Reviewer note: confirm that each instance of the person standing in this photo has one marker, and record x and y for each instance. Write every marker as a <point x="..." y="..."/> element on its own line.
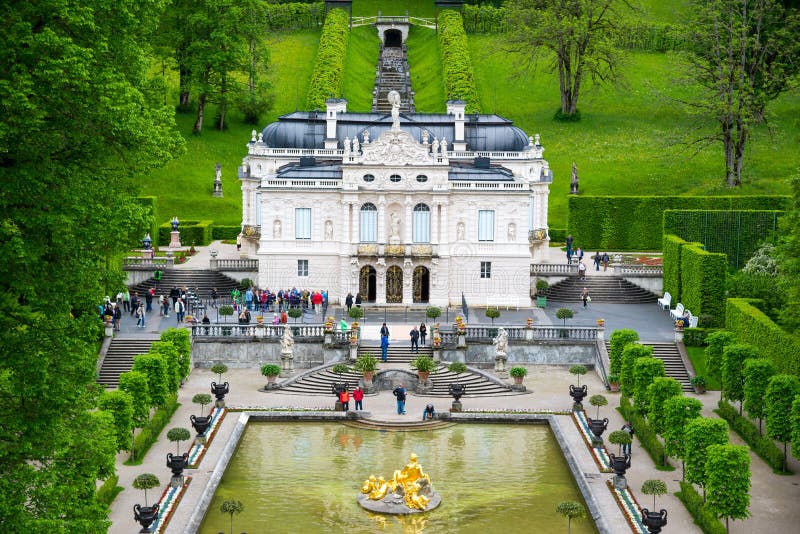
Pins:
<point x="582" y="270"/>
<point x="585" y="297"/>
<point x="134" y="303"/>
<point x="148" y="298"/>
<point x="569" y="249"/>
<point x="348" y="301"/>
<point x="180" y="310"/>
<point x="423" y="331"/>
<point x="117" y="317"/>
<point x="344" y="398"/>
<point x="384" y="347"/>
<point x="358" y="396"/>
<point x="358" y="300"/>
<point x="126" y="300"/>
<point x="239" y="243"/>
<point x="597" y="260"/>
<point x="400" y="394"/>
<point x="140" y="315"/>
<point x="414" y="339"/>
<point x="605" y="260"/>
<point x="628" y="429"/>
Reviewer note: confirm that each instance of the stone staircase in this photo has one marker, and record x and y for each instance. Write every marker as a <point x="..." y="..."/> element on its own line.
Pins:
<point x="392" y="75"/>
<point x="200" y="282"/>
<point x="119" y="358"/>
<point x="612" y="289"/>
<point x="673" y="363"/>
<point x="319" y="382"/>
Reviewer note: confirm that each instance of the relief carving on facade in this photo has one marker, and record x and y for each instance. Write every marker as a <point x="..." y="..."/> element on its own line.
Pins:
<point x="395" y="147"/>
<point x="395" y="250"/>
<point x="368" y="250"/>
<point x="421" y="250"/>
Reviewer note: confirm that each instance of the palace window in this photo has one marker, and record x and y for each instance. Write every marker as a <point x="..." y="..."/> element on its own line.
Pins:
<point x="486" y="225"/>
<point x="369" y="178"/>
<point x="302" y="267"/>
<point x="421" y="178"/>
<point x="486" y="269"/>
<point x="395" y="178"/>
<point x="422" y="224"/>
<point x="368" y="229"/>
<point x="302" y="223"/>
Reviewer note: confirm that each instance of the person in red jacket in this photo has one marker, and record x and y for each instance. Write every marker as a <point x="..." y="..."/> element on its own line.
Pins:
<point x="344" y="398"/>
<point x="358" y="396"/>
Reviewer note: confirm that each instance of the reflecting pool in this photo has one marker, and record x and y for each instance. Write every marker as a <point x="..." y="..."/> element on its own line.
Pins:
<point x="304" y="477"/>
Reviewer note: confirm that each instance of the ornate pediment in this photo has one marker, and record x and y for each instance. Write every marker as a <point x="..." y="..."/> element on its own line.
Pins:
<point x="395" y="147"/>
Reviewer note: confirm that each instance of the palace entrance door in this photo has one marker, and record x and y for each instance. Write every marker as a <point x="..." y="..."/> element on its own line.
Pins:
<point x="421" y="284"/>
<point x="367" y="283"/>
<point x="394" y="284"/>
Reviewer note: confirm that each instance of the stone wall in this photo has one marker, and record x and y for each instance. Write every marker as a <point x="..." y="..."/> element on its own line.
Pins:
<point x="242" y="353"/>
<point x="480" y="355"/>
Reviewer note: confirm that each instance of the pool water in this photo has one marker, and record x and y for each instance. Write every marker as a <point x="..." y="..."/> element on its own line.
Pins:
<point x="305" y="477"/>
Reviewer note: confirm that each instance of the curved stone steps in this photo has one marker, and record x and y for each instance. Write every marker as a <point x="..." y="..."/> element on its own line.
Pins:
<point x="397" y="426"/>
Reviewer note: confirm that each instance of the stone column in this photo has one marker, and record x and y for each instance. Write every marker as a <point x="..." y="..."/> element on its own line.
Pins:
<point x="408" y="223"/>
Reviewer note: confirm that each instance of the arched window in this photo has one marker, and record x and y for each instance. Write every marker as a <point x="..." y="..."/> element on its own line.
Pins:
<point x="422" y="224"/>
<point x="368" y="229"/>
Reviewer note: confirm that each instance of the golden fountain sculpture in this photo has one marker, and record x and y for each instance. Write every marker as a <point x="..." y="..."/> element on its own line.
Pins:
<point x="410" y="483"/>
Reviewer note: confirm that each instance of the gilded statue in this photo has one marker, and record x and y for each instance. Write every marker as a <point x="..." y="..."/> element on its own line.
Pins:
<point x="410" y="473"/>
<point x="411" y="482"/>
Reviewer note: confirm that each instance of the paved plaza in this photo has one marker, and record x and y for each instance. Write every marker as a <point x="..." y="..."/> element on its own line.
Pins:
<point x="773" y="497"/>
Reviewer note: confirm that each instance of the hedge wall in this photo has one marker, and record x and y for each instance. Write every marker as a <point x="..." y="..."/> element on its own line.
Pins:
<point x="703" y="282"/>
<point x="293" y="15"/>
<point x="192" y="233"/>
<point x="671" y="264"/>
<point x="459" y="82"/>
<point x="225" y="232"/>
<point x="635" y="223"/>
<point x="737" y="233"/>
<point x="326" y="80"/>
<point x="752" y="326"/>
<point x="557" y="235"/>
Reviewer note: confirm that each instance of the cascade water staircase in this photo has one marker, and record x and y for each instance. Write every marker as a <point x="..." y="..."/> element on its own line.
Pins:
<point x="319" y="381"/>
<point x="392" y="75"/>
<point x="119" y="358"/>
<point x="612" y="289"/>
<point x="673" y="363"/>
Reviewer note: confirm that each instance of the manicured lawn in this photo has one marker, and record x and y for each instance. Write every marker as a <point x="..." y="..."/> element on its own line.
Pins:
<point x="359" y="68"/>
<point x="415" y="8"/>
<point x="630" y="140"/>
<point x="184" y="185"/>
<point x="425" y="65"/>
<point x="698" y="359"/>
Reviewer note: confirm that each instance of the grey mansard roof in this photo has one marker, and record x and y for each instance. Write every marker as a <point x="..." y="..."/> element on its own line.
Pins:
<point x="306" y="129"/>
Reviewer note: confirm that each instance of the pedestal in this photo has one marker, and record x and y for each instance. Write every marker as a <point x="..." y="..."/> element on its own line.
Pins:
<point x="679" y="335"/>
<point x="217" y="188"/>
<point x="500" y="365"/>
<point x="425" y="386"/>
<point x="109" y="330"/>
<point x="175" y="239"/>
<point x="529" y="334"/>
<point x="457" y="406"/>
<point x="437" y="354"/>
<point x="148" y="253"/>
<point x="177" y="482"/>
<point x="287" y="364"/>
<point x="620" y="483"/>
<point x="462" y="341"/>
<point x="353" y="353"/>
<point x="601" y="333"/>
<point x="220" y="404"/>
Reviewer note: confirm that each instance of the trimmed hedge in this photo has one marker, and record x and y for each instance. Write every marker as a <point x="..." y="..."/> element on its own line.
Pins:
<point x="326" y="80"/>
<point x="703" y="282"/>
<point x="559" y="235"/>
<point x="108" y="491"/>
<point x="737" y="233"/>
<point x="485" y="18"/>
<point x="195" y="233"/>
<point x="696" y="337"/>
<point x="761" y="445"/>
<point x="636" y="222"/>
<point x="225" y="232"/>
<point x="647" y="437"/>
<point x="752" y="326"/>
<point x="149" y="434"/>
<point x="293" y="15"/>
<point x="459" y="81"/>
<point x="703" y="518"/>
<point x="671" y="259"/>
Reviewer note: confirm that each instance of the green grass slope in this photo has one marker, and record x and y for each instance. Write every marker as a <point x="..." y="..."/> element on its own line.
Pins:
<point x="415" y="8"/>
<point x="359" y="68"/>
<point x="630" y="140"/>
<point x="425" y="66"/>
<point x="184" y="185"/>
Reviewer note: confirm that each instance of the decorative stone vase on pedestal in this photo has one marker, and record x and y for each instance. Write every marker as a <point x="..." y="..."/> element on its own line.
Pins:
<point x="219" y="391"/>
<point x="177" y="464"/>
<point x="654" y="521"/>
<point x="620" y="464"/>
<point x="456" y="391"/>
<point x="174" y="235"/>
<point x="200" y="425"/>
<point x="598" y="426"/>
<point x="145" y="515"/>
<point x="577" y="394"/>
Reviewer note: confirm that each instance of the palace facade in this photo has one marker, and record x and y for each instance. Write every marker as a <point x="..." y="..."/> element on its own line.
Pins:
<point x="401" y="208"/>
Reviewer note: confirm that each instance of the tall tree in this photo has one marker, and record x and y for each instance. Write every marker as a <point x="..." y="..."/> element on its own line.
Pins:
<point x="700" y="434"/>
<point x="728" y="482"/>
<point x="576" y="38"/>
<point x="662" y="389"/>
<point x="788" y="259"/>
<point x="75" y="128"/>
<point x="744" y="55"/>
<point x="733" y="361"/>
<point x="781" y="391"/>
<point x="678" y="411"/>
<point x="757" y="372"/>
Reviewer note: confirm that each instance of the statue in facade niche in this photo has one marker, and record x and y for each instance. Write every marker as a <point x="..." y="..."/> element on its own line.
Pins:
<point x="328" y="230"/>
<point x="276" y="229"/>
<point x="394" y="99"/>
<point x="460" y="232"/>
<point x="512" y="232"/>
<point x="394" y="227"/>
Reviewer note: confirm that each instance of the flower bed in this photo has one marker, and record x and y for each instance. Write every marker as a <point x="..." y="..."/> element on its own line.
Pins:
<point x="600" y="454"/>
<point x="199" y="450"/>
<point x="630" y="508"/>
<point x="166" y="505"/>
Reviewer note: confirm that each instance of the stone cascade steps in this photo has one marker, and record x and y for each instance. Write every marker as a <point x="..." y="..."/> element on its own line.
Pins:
<point x="119" y="359"/>
<point x="399" y="351"/>
<point x="611" y="289"/>
<point x="200" y="281"/>
<point x="392" y="75"/>
<point x="673" y="363"/>
<point x="410" y="425"/>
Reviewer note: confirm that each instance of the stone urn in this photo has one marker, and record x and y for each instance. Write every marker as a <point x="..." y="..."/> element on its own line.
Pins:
<point x="177" y="464"/>
<point x="219" y="391"/>
<point x="200" y="425"/>
<point x="620" y="464"/>
<point x="598" y="426"/>
<point x="578" y="394"/>
<point x="145" y="515"/>
<point x="456" y="391"/>
<point x="336" y="389"/>
<point x="654" y="521"/>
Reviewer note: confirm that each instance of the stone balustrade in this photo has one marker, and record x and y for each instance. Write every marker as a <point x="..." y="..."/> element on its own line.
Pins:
<point x="133" y="263"/>
<point x="302" y="333"/>
<point x="554" y="268"/>
<point x="218" y="264"/>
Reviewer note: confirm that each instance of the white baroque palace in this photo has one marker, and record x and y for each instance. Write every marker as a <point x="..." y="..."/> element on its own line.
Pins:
<point x="401" y="208"/>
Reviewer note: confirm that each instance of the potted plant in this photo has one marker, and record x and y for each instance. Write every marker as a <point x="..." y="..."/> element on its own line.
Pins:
<point x="340" y="369"/>
<point x="620" y="437"/>
<point x="202" y="399"/>
<point x="433" y="312"/>
<point x="271" y="371"/>
<point x="518" y="373"/>
<point x="457" y="367"/>
<point x="424" y="365"/>
<point x="492" y="313"/>
<point x="529" y="322"/>
<point x="601" y="323"/>
<point x="578" y="393"/>
<point x="699" y="383"/>
<point x="613" y="383"/>
<point x="461" y="326"/>
<point x="578" y="370"/>
<point x="225" y="311"/>
<point x="654" y="487"/>
<point x="231" y="507"/>
<point x="295" y="313"/>
<point x="366" y="364"/>
<point x="219" y="369"/>
<point x="598" y="400"/>
<point x="564" y="314"/>
<point x="144" y="482"/>
<point x="177" y="435"/>
<point x="541" y="293"/>
<point x="679" y="324"/>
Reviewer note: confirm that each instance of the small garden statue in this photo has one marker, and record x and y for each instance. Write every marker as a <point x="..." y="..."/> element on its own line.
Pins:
<point x="573" y="184"/>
